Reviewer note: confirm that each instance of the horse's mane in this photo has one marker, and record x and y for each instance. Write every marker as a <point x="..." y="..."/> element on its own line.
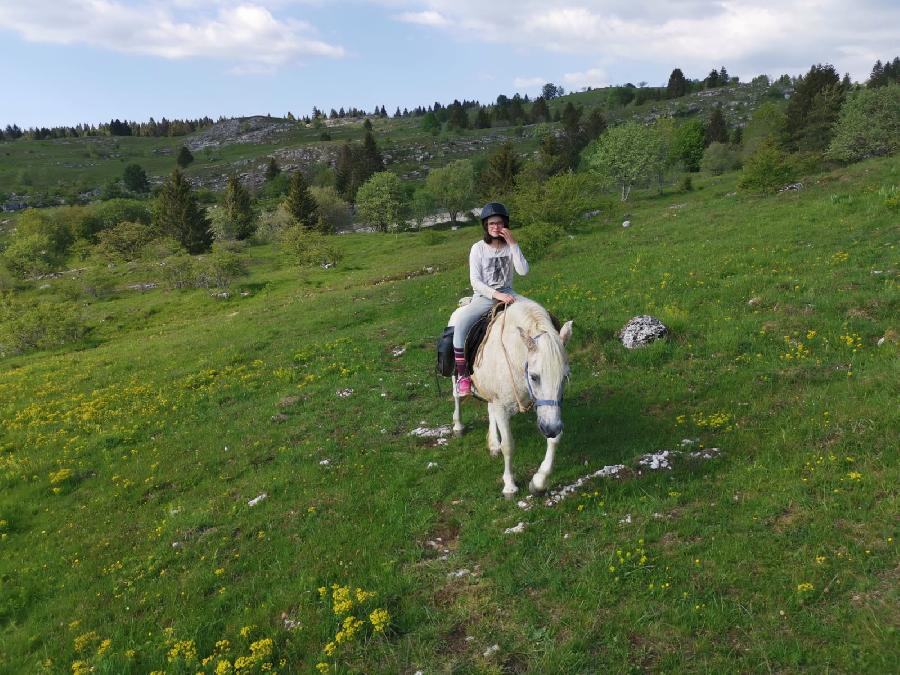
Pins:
<point x="534" y="319"/>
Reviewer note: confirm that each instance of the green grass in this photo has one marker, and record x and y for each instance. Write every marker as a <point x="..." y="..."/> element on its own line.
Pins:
<point x="128" y="461"/>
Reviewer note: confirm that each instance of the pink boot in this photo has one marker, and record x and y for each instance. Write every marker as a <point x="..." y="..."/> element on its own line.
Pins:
<point x="464" y="386"/>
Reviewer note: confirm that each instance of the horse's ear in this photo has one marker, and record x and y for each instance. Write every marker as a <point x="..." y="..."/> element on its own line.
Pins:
<point x="527" y="339"/>
<point x="565" y="332"/>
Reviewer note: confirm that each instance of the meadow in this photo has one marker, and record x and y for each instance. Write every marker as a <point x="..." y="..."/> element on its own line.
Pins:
<point x="231" y="486"/>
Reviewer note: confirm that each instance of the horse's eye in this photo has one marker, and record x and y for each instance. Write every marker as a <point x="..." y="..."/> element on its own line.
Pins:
<point x="535" y="378"/>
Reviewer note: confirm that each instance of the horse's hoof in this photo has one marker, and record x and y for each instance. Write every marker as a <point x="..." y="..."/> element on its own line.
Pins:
<point x="494" y="451"/>
<point x="458" y="432"/>
<point x="510" y="494"/>
<point x="537" y="492"/>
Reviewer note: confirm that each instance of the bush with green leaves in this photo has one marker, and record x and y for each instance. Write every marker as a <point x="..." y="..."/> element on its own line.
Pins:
<point x="453" y="187"/>
<point x="767" y="170"/>
<point x="381" y="202"/>
<point x="562" y="200"/>
<point x="868" y="126"/>
<point x="26" y="326"/>
<point x="309" y="248"/>
<point x="538" y="237"/>
<point x="30" y="255"/>
<point x="719" y="158"/>
<point x="219" y="269"/>
<point x="627" y="154"/>
<point x="52" y="224"/>
<point x="333" y="211"/>
<point x="125" y="241"/>
<point x="179" y="271"/>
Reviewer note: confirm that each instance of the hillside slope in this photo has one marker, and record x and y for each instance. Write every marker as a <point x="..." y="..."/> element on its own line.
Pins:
<point x="185" y="488"/>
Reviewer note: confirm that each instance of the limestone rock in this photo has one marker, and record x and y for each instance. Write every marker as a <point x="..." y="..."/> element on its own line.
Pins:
<point x="642" y="330"/>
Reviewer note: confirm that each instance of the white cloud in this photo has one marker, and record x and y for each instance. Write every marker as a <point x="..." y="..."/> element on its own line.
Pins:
<point x="595" y="77"/>
<point x="748" y="36"/>
<point x="423" y="18"/>
<point x="245" y="34"/>
<point x="529" y="82"/>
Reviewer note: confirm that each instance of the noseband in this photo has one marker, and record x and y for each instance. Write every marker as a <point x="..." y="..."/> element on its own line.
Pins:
<point x="539" y="401"/>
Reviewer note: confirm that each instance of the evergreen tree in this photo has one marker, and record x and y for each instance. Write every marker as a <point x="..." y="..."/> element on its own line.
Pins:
<point x="723" y="77"/>
<point x="498" y="178"/>
<point x="431" y="124"/>
<point x="184" y="157"/>
<point x="135" y="179"/>
<point x="716" y="127"/>
<point x="540" y="112"/>
<point x="367" y="125"/>
<point x="677" y="85"/>
<point x="712" y="80"/>
<point x="272" y="169"/>
<point x="800" y="129"/>
<point x="178" y="215"/>
<point x="300" y="203"/>
<point x="343" y="172"/>
<point x="458" y="118"/>
<point x="238" y="209"/>
<point x="370" y="161"/>
<point x="482" y="119"/>
<point x="594" y="125"/>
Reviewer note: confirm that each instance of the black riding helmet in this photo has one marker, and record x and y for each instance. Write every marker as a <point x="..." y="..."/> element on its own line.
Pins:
<point x="494" y="209"/>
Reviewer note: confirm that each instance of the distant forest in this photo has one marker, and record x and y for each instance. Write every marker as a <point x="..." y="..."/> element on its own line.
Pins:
<point x="455" y="114"/>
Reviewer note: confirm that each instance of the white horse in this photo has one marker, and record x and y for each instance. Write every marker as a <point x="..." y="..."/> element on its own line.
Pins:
<point x="522" y="363"/>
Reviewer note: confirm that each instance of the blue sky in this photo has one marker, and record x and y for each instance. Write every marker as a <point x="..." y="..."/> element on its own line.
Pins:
<point x="92" y="60"/>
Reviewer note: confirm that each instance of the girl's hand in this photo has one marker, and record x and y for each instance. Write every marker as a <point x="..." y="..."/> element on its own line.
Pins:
<point x="505" y="298"/>
<point x="507" y="235"/>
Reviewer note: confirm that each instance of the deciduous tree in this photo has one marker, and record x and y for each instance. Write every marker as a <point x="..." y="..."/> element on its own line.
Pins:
<point x="627" y="154"/>
<point x="453" y="187"/>
<point x="381" y="202"/>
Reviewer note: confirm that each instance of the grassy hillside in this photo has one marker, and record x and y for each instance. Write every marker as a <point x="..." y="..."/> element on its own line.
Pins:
<point x="136" y="537"/>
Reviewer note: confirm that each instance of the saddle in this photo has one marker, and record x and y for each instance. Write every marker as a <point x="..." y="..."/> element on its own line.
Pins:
<point x="446" y="366"/>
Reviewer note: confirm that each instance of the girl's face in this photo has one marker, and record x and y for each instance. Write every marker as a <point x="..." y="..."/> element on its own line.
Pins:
<point x="494" y="225"/>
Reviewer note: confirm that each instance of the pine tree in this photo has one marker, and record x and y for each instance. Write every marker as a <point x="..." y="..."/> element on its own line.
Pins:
<point x="677" y="85"/>
<point x="712" y="80"/>
<point x="594" y="125"/>
<point x="797" y="115"/>
<point x="369" y="161"/>
<point x="482" y="119"/>
<point x="343" y="172"/>
<point x="178" y="215"/>
<point x="540" y="112"/>
<point x="184" y="157"/>
<point x="272" y="169"/>
<point x="723" y="77"/>
<point x="716" y="127"/>
<point x="498" y="178"/>
<point x="300" y="203"/>
<point x="238" y="209"/>
<point x="367" y="125"/>
<point x="135" y="179"/>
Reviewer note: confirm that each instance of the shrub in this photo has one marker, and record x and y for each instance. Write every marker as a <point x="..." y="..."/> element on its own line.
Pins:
<point x="537" y="237"/>
<point x="179" y="271"/>
<point x="51" y="224"/>
<point x="125" y="241"/>
<point x="272" y="224"/>
<point x="310" y="248"/>
<point x="29" y="255"/>
<point x="561" y="200"/>
<point x="219" y="269"/>
<point x="26" y="327"/>
<point x="767" y="169"/>
<point x="719" y="158"/>
<point x="334" y="212"/>
<point x="869" y="125"/>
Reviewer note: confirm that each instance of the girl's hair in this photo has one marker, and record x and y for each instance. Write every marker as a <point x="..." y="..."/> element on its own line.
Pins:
<point x="488" y="238"/>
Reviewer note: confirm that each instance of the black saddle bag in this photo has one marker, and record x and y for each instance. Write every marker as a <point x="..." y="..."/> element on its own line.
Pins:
<point x="446" y="365"/>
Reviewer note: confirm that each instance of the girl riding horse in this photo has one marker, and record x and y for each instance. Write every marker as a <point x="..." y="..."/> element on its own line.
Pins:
<point x="491" y="264"/>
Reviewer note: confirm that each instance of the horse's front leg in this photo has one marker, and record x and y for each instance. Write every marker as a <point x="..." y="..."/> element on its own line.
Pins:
<point x="493" y="435"/>
<point x="506" y="445"/>
<point x="458" y="427"/>
<point x="539" y="481"/>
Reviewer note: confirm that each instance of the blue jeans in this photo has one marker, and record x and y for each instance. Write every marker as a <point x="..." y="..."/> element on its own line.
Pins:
<point x="470" y="314"/>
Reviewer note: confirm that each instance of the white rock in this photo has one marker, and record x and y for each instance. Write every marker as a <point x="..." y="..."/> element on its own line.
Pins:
<point x="490" y="651"/>
<point x="642" y="330"/>
<point x="256" y="500"/>
<point x="518" y="529"/>
<point x="627" y="223"/>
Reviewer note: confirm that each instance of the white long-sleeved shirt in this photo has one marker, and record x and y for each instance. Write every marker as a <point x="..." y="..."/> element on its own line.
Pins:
<point x="491" y="269"/>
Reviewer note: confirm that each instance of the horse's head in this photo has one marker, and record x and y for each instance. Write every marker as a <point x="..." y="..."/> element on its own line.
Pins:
<point x="546" y="371"/>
